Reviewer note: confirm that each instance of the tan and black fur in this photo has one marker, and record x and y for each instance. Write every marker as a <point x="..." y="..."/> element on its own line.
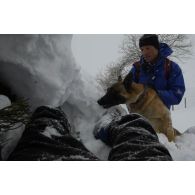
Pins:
<point x="142" y="100"/>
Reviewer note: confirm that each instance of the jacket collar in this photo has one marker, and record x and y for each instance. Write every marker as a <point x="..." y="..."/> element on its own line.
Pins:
<point x="165" y="50"/>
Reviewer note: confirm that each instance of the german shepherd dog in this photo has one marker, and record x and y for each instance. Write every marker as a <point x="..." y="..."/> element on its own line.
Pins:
<point x="142" y="100"/>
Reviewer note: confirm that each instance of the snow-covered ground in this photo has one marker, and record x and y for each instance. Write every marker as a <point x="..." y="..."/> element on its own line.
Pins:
<point x="42" y="68"/>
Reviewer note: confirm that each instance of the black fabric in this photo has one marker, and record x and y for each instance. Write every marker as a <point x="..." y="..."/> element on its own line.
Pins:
<point x="149" y="39"/>
<point x="148" y="68"/>
<point x="131" y="138"/>
<point x="35" y="145"/>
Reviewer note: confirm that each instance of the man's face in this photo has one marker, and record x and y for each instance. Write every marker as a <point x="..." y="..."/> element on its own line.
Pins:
<point x="149" y="53"/>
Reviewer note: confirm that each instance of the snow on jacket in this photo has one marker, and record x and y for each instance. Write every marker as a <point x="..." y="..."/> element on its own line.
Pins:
<point x="171" y="89"/>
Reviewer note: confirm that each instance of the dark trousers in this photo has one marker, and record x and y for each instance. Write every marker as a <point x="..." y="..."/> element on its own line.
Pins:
<point x="47" y="137"/>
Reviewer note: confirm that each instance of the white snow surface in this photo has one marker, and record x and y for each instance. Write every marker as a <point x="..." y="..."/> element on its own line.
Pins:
<point x="42" y="68"/>
<point x="39" y="67"/>
<point x="50" y="131"/>
<point x="4" y="101"/>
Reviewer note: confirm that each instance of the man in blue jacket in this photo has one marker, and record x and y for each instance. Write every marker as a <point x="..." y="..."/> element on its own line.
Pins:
<point x="158" y="72"/>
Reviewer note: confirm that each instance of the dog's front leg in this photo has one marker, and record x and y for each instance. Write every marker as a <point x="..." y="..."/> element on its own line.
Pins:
<point x="168" y="128"/>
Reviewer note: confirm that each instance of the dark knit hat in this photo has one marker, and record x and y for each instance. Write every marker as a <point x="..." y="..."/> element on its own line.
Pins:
<point x="149" y="39"/>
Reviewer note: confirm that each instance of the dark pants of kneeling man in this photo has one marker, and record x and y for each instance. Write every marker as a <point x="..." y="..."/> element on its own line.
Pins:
<point x="131" y="138"/>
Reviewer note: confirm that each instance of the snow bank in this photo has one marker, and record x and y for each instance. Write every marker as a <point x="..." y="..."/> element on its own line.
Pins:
<point x="4" y="101"/>
<point x="183" y="118"/>
<point x="42" y="68"/>
<point x="184" y="146"/>
<point x="38" y="67"/>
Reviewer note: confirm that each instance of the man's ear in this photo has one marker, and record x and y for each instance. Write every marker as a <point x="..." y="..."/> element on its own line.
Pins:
<point x="128" y="81"/>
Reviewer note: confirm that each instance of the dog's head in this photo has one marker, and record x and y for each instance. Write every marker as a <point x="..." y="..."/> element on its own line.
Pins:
<point x="120" y="93"/>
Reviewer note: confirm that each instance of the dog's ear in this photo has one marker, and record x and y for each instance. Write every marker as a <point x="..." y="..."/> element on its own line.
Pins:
<point x="128" y="81"/>
<point x="120" y="78"/>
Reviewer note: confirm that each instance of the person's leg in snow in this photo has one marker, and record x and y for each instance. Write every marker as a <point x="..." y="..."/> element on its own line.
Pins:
<point x="47" y="137"/>
<point x="132" y="138"/>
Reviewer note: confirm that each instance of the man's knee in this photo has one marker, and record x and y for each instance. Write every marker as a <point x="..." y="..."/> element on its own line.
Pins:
<point x="49" y="116"/>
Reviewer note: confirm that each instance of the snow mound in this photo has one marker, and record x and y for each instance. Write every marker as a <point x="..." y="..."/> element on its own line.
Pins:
<point x="4" y="101"/>
<point x="38" y="67"/>
<point x="183" y="148"/>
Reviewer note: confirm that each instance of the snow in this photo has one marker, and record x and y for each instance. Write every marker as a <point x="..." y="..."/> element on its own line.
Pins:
<point x="43" y="69"/>
<point x="182" y="118"/>
<point x="49" y="132"/>
<point x="9" y="139"/>
<point x="4" y="101"/>
<point x="38" y="67"/>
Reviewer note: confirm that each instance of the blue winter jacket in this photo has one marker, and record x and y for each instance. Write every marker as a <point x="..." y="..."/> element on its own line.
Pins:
<point x="171" y="89"/>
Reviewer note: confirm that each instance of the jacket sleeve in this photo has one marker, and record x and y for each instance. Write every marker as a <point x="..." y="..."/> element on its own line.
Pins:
<point x="176" y="87"/>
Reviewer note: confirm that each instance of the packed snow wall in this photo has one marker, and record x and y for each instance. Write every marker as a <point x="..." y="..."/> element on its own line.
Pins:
<point x="42" y="69"/>
<point x="38" y="67"/>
